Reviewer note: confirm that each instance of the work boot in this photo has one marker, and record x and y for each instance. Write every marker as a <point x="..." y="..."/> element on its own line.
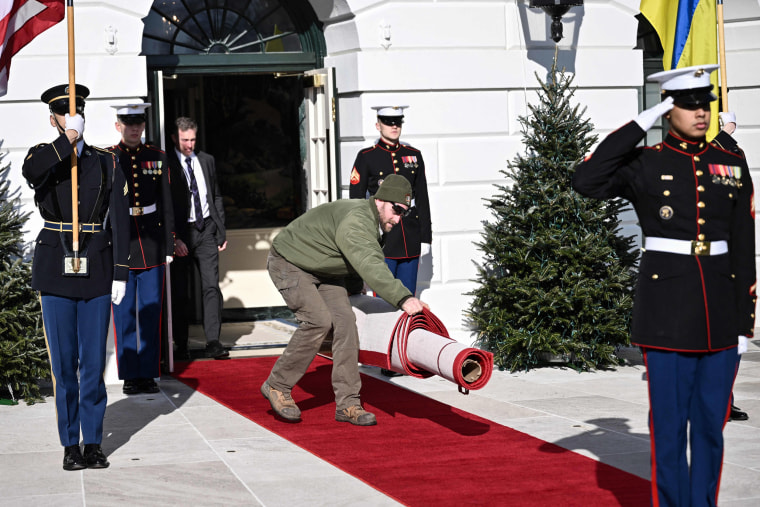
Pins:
<point x="355" y="414"/>
<point x="282" y="403"/>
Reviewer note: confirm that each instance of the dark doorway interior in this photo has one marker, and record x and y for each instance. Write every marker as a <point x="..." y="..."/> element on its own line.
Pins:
<point x="251" y="124"/>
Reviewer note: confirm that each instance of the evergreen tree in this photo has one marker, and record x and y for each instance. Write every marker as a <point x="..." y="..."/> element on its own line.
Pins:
<point x="557" y="278"/>
<point x="23" y="356"/>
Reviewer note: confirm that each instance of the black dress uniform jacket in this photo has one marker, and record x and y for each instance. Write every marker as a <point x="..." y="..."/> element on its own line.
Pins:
<point x="47" y="168"/>
<point x="372" y="165"/>
<point x="181" y="197"/>
<point x="146" y="170"/>
<point x="692" y="191"/>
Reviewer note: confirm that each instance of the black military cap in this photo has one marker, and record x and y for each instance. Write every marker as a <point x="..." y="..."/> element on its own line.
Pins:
<point x="57" y="98"/>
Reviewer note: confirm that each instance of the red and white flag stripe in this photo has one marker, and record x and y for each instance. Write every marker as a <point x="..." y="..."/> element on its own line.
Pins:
<point x="20" y="22"/>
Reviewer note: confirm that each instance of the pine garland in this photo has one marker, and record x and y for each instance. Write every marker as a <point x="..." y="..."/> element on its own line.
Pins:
<point x="557" y="278"/>
<point x="23" y="356"/>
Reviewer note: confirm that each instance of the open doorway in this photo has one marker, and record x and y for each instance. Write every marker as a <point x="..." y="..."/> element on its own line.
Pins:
<point x="253" y="126"/>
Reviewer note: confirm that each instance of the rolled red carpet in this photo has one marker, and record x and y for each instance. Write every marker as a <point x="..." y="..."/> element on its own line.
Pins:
<point x="417" y="345"/>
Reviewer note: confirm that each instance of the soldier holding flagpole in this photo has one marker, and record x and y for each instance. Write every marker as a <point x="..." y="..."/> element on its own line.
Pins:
<point x="81" y="196"/>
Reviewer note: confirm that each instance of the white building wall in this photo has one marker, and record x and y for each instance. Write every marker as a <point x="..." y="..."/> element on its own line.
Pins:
<point x="113" y="73"/>
<point x="465" y="67"/>
<point x="467" y="70"/>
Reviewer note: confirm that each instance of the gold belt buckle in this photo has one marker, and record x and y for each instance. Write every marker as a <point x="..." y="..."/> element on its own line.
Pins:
<point x="700" y="248"/>
<point x="137" y="211"/>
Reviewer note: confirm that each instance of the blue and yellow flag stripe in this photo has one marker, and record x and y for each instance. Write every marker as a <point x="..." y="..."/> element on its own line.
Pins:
<point x="688" y="31"/>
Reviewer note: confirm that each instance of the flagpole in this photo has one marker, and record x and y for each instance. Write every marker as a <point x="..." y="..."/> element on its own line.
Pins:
<point x="72" y="112"/>
<point x="722" y="57"/>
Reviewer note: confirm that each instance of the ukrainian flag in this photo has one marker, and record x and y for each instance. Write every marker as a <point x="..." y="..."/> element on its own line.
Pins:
<point x="688" y="31"/>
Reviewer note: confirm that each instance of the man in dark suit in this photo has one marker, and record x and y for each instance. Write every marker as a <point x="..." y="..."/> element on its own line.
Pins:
<point x="200" y="236"/>
<point x="76" y="296"/>
<point x="138" y="340"/>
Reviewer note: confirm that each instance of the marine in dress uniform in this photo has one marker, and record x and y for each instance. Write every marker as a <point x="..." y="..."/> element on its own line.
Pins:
<point x="146" y="170"/>
<point x="404" y="244"/>
<point x="76" y="304"/>
<point x="696" y="289"/>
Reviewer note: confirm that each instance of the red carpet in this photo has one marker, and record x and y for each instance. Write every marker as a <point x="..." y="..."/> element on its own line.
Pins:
<point x="421" y="452"/>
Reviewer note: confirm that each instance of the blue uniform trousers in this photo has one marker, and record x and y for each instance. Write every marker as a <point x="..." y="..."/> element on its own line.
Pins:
<point x="691" y="388"/>
<point x="76" y="331"/>
<point x="406" y="271"/>
<point x="142" y="304"/>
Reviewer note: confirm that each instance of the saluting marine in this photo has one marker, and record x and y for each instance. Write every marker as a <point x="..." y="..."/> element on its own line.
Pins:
<point x="404" y="244"/>
<point x="76" y="303"/>
<point x="696" y="289"/>
<point x="146" y="170"/>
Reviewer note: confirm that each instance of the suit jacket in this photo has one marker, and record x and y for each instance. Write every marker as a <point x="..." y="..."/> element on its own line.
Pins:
<point x="181" y="196"/>
<point x="685" y="190"/>
<point x="146" y="171"/>
<point x="371" y="167"/>
<point x="47" y="169"/>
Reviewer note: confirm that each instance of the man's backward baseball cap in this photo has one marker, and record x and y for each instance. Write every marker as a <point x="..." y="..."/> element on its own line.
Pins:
<point x="395" y="188"/>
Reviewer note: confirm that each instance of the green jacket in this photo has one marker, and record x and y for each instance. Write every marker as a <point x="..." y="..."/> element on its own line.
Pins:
<point x="341" y="239"/>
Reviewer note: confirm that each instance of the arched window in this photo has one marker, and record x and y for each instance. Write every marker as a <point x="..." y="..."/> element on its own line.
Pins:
<point x="193" y="27"/>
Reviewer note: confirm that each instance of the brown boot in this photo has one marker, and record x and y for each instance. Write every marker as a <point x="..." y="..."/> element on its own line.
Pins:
<point x="282" y="403"/>
<point x="355" y="414"/>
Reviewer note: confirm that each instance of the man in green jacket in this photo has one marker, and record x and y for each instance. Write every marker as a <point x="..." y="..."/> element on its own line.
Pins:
<point x="309" y="263"/>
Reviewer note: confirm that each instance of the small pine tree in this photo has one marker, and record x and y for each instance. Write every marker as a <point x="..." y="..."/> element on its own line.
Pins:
<point x="23" y="356"/>
<point x="557" y="278"/>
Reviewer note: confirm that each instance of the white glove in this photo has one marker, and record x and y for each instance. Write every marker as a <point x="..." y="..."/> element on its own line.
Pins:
<point x="75" y="122"/>
<point x="742" y="348"/>
<point x="424" y="249"/>
<point x="118" y="290"/>
<point x="169" y="259"/>
<point x="649" y="117"/>
<point x="726" y="119"/>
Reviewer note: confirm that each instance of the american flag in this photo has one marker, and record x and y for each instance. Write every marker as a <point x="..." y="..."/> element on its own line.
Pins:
<point x="20" y="22"/>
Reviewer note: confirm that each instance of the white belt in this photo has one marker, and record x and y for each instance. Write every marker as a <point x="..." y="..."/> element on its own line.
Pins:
<point x="142" y="210"/>
<point x="685" y="247"/>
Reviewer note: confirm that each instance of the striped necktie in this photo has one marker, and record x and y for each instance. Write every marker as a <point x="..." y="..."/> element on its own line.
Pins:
<point x="196" y="195"/>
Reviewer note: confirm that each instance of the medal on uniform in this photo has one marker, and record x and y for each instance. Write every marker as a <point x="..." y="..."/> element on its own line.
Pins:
<point x="666" y="212"/>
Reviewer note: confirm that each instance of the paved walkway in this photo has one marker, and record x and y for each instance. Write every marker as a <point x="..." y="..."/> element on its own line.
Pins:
<point x="179" y="448"/>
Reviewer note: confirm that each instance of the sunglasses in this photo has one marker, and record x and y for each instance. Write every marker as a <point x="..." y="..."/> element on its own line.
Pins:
<point x="398" y="210"/>
<point x="391" y="121"/>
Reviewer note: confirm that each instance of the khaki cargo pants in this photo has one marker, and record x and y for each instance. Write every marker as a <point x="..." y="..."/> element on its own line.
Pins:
<point x="320" y="305"/>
